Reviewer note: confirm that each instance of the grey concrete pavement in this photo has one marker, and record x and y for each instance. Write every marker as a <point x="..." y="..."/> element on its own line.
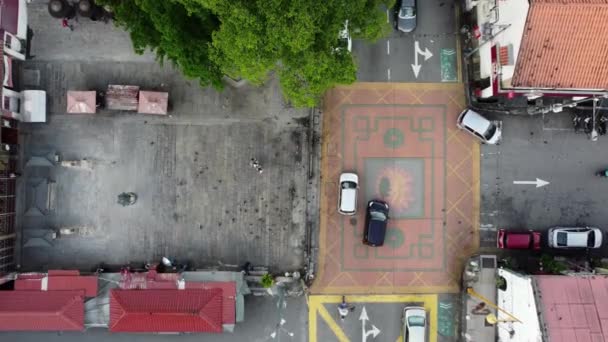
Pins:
<point x="546" y="148"/>
<point x="90" y="41"/>
<point x="391" y="59"/>
<point x="198" y="198"/>
<point x="262" y="321"/>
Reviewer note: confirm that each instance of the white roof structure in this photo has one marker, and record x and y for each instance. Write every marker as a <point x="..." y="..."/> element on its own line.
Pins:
<point x="518" y="300"/>
<point x="504" y="25"/>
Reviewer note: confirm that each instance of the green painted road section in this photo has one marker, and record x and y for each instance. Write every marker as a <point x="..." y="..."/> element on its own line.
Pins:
<point x="448" y="65"/>
<point x="445" y="318"/>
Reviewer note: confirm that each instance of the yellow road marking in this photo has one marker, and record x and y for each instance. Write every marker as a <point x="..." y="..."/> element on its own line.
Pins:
<point x="317" y="307"/>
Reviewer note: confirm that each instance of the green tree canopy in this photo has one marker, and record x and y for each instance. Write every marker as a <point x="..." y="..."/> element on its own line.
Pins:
<point x="297" y="39"/>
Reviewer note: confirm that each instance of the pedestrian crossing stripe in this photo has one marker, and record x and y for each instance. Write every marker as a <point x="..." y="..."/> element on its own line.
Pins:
<point x="317" y="308"/>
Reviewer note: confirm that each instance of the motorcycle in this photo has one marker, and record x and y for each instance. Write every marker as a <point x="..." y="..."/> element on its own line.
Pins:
<point x="602" y="173"/>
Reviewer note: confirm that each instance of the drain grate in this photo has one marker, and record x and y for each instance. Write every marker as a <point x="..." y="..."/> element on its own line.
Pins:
<point x="488" y="262"/>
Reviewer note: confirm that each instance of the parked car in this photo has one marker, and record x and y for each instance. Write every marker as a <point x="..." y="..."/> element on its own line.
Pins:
<point x="575" y="237"/>
<point x="489" y="132"/>
<point x="518" y="239"/>
<point x="347" y="197"/>
<point x="406" y="16"/>
<point x="376" y="220"/>
<point x="414" y="324"/>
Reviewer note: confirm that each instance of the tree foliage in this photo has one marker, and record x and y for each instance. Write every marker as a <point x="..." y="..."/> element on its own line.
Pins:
<point x="167" y="28"/>
<point x="297" y="39"/>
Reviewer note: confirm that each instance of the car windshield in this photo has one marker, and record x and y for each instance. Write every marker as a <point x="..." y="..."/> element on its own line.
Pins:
<point x="490" y="132"/>
<point x="591" y="239"/>
<point x="416" y="321"/>
<point x="562" y="239"/>
<point x="349" y="185"/>
<point x="377" y="215"/>
<point x="407" y="12"/>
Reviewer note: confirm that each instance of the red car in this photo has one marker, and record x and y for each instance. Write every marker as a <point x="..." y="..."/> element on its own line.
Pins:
<point x="527" y="239"/>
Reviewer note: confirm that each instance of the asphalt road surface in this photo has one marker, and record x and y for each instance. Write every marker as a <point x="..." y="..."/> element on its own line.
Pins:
<point x="391" y="59"/>
<point x="546" y="148"/>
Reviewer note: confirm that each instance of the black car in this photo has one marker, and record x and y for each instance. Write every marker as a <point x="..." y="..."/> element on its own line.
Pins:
<point x="376" y="219"/>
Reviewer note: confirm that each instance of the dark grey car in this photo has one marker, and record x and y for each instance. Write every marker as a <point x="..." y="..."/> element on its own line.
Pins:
<point x="406" y="16"/>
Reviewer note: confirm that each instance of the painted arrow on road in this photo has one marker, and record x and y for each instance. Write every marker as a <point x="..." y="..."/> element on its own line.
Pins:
<point x="426" y="53"/>
<point x="374" y="331"/>
<point x="538" y="182"/>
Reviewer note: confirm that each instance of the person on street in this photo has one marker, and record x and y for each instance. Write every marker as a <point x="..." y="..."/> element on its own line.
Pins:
<point x="344" y="308"/>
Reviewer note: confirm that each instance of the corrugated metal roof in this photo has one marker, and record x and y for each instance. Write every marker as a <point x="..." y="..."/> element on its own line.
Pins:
<point x="41" y="311"/>
<point x="574" y="308"/>
<point x="564" y="45"/>
<point x="192" y="310"/>
<point x="228" y="297"/>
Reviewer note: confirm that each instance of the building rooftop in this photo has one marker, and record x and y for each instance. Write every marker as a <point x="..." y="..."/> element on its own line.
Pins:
<point x="563" y="45"/>
<point x="194" y="310"/>
<point x="41" y="310"/>
<point x="574" y="308"/>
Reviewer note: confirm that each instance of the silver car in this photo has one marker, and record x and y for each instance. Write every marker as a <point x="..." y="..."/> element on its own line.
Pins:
<point x="489" y="132"/>
<point x="406" y="16"/>
<point x="414" y="324"/>
<point x="574" y="237"/>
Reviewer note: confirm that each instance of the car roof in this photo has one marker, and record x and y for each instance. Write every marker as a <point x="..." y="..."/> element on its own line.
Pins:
<point x="518" y="240"/>
<point x="475" y="121"/>
<point x="577" y="239"/>
<point x="348" y="200"/>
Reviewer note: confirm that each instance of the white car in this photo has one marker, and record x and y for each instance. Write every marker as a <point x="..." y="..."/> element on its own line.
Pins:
<point x="414" y="324"/>
<point x="575" y="237"/>
<point x="347" y="198"/>
<point x="489" y="132"/>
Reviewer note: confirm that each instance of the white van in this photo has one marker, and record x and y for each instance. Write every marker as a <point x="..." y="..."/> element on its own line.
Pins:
<point x="347" y="197"/>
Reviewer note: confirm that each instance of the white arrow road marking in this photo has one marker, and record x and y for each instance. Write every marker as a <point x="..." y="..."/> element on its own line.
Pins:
<point x="374" y="331"/>
<point x="426" y="53"/>
<point x="388" y="71"/>
<point x="388" y="47"/>
<point x="538" y="182"/>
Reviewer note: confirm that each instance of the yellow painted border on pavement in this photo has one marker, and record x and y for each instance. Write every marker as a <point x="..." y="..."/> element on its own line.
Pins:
<point x="317" y="309"/>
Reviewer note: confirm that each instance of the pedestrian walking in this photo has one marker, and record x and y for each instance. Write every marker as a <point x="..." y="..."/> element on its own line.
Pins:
<point x="260" y="170"/>
<point x="65" y="22"/>
<point x="344" y="308"/>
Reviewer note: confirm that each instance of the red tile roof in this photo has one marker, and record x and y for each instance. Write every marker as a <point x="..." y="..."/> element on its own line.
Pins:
<point x="166" y="310"/>
<point x="564" y="45"/>
<point x="41" y="311"/>
<point x="86" y="283"/>
<point x="58" y="280"/>
<point x="228" y="297"/>
<point x="574" y="309"/>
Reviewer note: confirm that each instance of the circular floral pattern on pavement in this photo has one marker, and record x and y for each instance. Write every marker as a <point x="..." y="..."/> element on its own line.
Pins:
<point x="394" y="185"/>
<point x="394" y="238"/>
<point x="393" y="138"/>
